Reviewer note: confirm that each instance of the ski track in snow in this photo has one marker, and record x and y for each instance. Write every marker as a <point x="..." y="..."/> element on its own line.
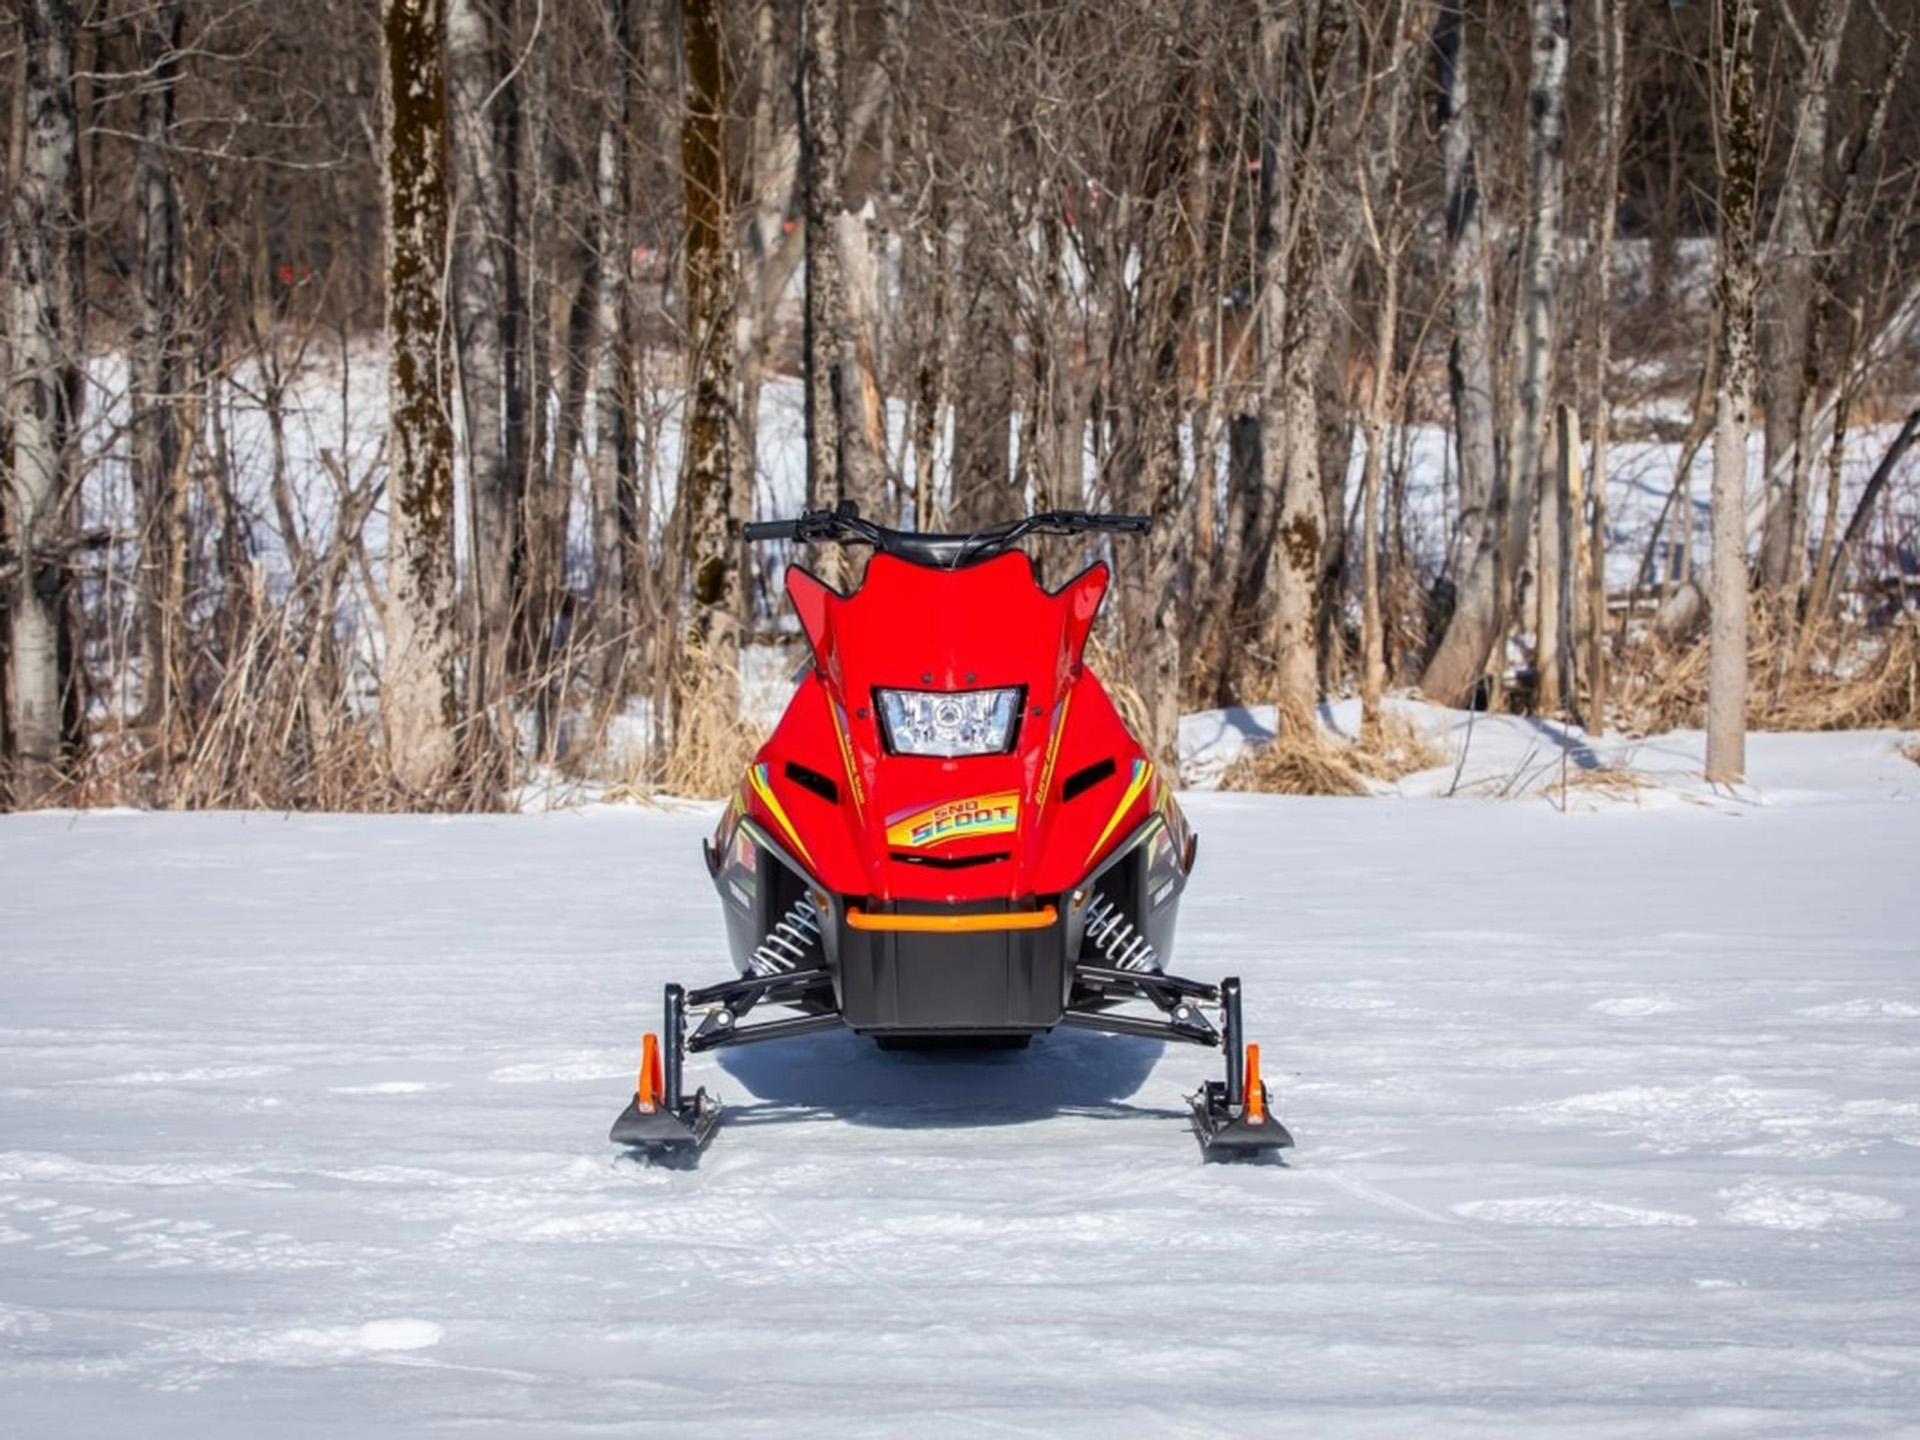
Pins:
<point x="1609" y="1123"/>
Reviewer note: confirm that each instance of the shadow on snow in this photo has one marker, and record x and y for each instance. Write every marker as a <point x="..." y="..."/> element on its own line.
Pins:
<point x="848" y="1077"/>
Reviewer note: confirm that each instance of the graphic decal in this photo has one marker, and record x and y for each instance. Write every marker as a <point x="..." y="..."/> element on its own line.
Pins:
<point x="757" y="777"/>
<point x="1142" y="773"/>
<point x="846" y="754"/>
<point x="1053" y="747"/>
<point x="746" y="855"/>
<point x="955" y="820"/>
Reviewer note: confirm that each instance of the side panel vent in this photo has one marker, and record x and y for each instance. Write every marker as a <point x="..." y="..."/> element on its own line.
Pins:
<point x="813" y="780"/>
<point x="1085" y="779"/>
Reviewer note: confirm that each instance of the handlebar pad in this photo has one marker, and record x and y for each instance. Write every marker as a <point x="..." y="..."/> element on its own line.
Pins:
<point x="756" y="530"/>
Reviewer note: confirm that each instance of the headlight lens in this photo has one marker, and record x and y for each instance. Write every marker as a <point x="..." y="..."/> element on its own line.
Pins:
<point x="949" y="722"/>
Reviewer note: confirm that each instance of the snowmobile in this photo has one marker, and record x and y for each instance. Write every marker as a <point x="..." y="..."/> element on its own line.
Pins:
<point x="951" y="837"/>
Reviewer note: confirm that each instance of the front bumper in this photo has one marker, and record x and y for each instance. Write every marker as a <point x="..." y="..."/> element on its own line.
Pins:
<point x="903" y="981"/>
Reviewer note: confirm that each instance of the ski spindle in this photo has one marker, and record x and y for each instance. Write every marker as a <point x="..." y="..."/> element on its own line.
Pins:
<point x="675" y="1030"/>
<point x="1236" y="1078"/>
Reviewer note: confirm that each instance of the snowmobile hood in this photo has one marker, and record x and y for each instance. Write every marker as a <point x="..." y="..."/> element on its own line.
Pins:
<point x="1034" y="820"/>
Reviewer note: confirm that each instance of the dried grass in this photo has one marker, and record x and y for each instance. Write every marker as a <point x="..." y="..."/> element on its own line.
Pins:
<point x="1840" y="678"/>
<point x="1912" y="751"/>
<point x="712" y="745"/>
<point x="1112" y="668"/>
<point x="1613" y="782"/>
<point x="285" y="721"/>
<point x="1316" y="763"/>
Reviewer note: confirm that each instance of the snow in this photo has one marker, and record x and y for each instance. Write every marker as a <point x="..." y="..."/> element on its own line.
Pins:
<point x="1609" y="1125"/>
<point x="1525" y="757"/>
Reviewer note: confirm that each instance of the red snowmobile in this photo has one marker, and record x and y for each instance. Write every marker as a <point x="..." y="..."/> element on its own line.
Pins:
<point x="950" y="836"/>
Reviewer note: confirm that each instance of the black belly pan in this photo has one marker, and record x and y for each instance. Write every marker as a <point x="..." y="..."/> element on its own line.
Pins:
<point x="976" y="982"/>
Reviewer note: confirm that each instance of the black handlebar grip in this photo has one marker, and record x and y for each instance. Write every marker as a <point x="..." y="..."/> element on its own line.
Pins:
<point x="756" y="530"/>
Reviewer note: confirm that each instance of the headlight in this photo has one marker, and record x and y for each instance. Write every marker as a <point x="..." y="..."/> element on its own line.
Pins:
<point x="949" y="722"/>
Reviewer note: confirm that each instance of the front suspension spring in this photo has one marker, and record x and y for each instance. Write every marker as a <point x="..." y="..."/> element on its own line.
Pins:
<point x="1115" y="937"/>
<point x="794" y="940"/>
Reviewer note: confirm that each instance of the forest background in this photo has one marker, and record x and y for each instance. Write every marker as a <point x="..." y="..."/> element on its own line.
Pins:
<point x="387" y="381"/>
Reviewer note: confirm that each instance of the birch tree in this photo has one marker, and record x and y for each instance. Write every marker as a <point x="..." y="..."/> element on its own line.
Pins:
<point x="482" y="324"/>
<point x="1739" y="146"/>
<point x="45" y="341"/>
<point x="1787" y="338"/>
<point x="1388" y="228"/>
<point x="155" y="369"/>
<point x="821" y="121"/>
<point x="610" y="243"/>
<point x="1608" y="31"/>
<point x="1474" y="561"/>
<point x="417" y="697"/>
<point x="1534" y="475"/>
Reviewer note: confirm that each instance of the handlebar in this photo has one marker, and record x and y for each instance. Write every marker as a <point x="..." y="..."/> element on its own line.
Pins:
<point x="844" y="526"/>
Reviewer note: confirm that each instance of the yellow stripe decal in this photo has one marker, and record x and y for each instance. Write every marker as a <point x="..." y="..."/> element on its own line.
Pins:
<point x="757" y="777"/>
<point x="846" y="755"/>
<point x="1053" y="749"/>
<point x="1142" y="773"/>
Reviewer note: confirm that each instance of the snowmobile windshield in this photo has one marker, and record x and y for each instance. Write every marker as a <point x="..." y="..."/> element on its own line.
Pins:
<point x="843" y="526"/>
<point x="985" y="630"/>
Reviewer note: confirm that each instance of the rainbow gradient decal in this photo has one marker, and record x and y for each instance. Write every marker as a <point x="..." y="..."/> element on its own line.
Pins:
<point x="1142" y="773"/>
<point x="955" y="820"/>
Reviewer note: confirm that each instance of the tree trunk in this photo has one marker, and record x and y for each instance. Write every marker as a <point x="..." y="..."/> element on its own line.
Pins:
<point x="1739" y="185"/>
<point x="820" y="162"/>
<point x="613" y="438"/>
<point x="1383" y="208"/>
<point x="1608" y="29"/>
<point x="1457" y="665"/>
<point x="707" y="492"/>
<point x="1536" y="479"/>
<point x="773" y="158"/>
<point x="1373" y="665"/>
<point x="418" y="699"/>
<point x="983" y="490"/>
<point x="1787" y="339"/>
<point x="933" y="272"/>
<point x="1145" y="464"/>
<point x="154" y="374"/>
<point x="1290" y="377"/>
<point x="479" y="296"/>
<point x="863" y="436"/>
<point x="45" y="343"/>
<point x="550" y="444"/>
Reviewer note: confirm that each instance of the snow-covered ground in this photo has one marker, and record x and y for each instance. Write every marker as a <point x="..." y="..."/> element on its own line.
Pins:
<point x="1609" y="1124"/>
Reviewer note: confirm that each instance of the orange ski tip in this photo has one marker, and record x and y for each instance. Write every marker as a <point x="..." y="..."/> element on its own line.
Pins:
<point x="646" y="1095"/>
<point x="1256" y="1092"/>
<point x="954" y="924"/>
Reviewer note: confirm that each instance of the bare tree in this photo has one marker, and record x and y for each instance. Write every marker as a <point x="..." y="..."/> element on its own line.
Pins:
<point x="711" y="504"/>
<point x="1382" y="198"/>
<point x="610" y="246"/>
<point x="1786" y="334"/>
<point x="482" y="328"/>
<point x="417" y="696"/>
<point x="1598" y="400"/>
<point x="1474" y="563"/>
<point x="1534" y="476"/>
<point x="155" y="370"/>
<point x="45" y="343"/>
<point x="1297" y="316"/>
<point x="1739" y="136"/>
<point x="821" y="159"/>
